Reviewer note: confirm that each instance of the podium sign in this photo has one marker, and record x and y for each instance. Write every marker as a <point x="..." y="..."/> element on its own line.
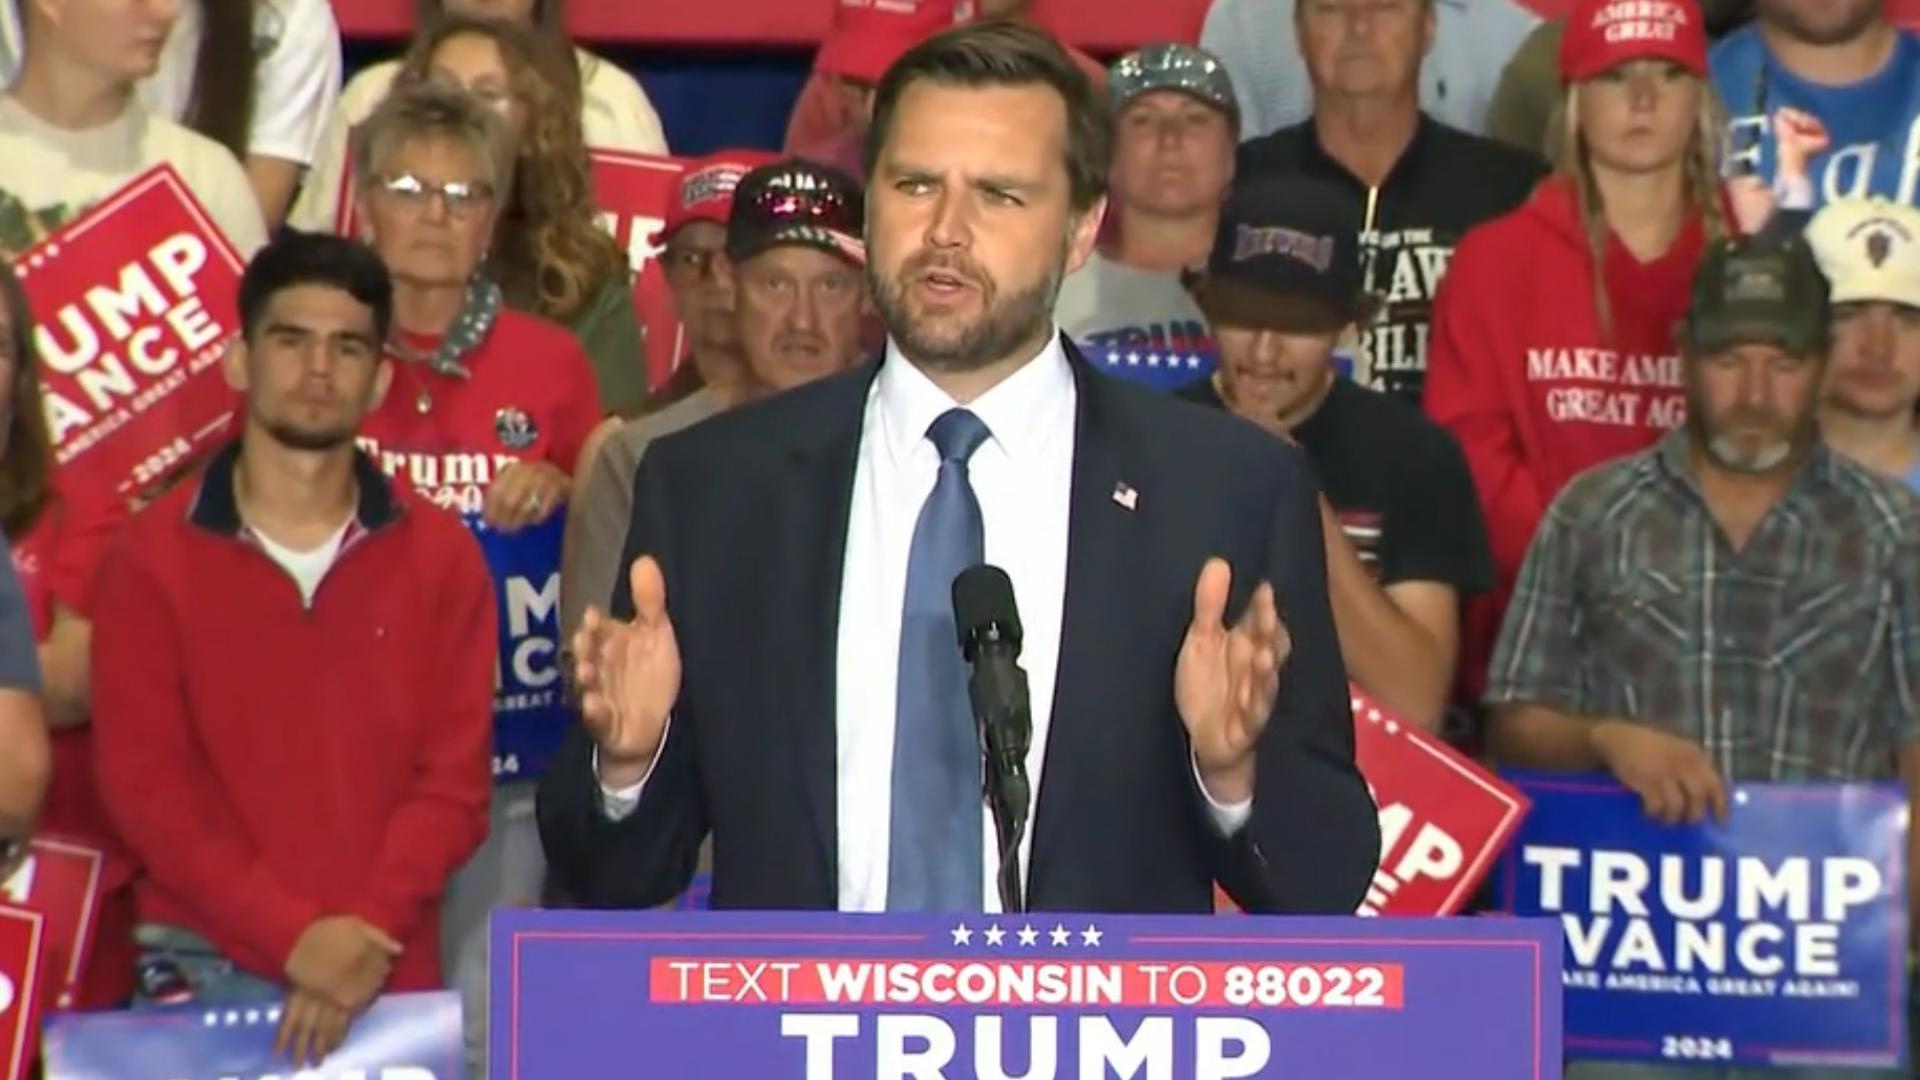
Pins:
<point x="400" y="1037"/>
<point x="1045" y="996"/>
<point x="1776" y="939"/>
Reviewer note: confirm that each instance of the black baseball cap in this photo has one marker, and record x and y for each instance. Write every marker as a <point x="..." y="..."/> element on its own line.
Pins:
<point x="797" y="202"/>
<point x="1764" y="289"/>
<point x="1286" y="257"/>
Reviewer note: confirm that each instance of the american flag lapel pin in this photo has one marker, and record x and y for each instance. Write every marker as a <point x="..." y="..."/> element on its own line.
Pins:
<point x="1126" y="497"/>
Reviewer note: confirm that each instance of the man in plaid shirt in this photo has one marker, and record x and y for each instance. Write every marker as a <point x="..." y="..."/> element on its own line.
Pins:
<point x="1735" y="603"/>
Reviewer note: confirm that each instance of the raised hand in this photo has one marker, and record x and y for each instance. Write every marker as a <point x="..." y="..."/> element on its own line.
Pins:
<point x="1226" y="679"/>
<point x="629" y="676"/>
<point x="1674" y="778"/>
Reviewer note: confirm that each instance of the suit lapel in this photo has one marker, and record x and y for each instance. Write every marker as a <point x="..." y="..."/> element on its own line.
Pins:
<point x="809" y="535"/>
<point x="1104" y="547"/>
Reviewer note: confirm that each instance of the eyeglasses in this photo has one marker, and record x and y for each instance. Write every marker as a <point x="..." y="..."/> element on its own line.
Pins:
<point x="461" y="197"/>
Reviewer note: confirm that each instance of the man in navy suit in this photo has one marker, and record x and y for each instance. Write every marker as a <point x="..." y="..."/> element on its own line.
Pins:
<point x="782" y="672"/>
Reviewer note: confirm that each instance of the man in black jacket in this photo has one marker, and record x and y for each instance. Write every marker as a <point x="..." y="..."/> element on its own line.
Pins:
<point x="1413" y="185"/>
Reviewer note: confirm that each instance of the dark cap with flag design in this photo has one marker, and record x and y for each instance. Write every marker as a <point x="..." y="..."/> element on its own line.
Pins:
<point x="797" y="202"/>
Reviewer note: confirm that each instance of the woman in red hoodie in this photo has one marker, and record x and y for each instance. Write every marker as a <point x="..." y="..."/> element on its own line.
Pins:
<point x="1553" y="332"/>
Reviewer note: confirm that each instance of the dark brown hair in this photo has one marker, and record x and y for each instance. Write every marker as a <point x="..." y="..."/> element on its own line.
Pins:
<point x="549" y="256"/>
<point x="1002" y="52"/>
<point x="221" y="107"/>
<point x="26" y="463"/>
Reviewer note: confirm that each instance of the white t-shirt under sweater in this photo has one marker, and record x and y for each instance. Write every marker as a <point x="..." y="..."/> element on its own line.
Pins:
<point x="307" y="568"/>
<point x="49" y="175"/>
<point x="615" y="115"/>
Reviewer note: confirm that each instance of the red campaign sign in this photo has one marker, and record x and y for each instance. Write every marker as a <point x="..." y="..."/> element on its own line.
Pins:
<point x="60" y="879"/>
<point x="1443" y="818"/>
<point x="135" y="302"/>
<point x="22" y="942"/>
<point x="633" y="192"/>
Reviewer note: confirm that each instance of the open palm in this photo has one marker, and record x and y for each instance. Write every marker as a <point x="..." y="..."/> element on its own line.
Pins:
<point x="629" y="672"/>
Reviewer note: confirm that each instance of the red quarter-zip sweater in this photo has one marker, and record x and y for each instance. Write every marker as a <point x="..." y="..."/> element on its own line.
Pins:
<point x="268" y="762"/>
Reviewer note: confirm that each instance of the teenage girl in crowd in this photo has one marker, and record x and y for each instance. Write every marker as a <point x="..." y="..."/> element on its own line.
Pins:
<point x="1553" y="334"/>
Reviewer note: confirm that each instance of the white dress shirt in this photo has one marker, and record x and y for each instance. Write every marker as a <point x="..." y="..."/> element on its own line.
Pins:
<point x="1023" y="478"/>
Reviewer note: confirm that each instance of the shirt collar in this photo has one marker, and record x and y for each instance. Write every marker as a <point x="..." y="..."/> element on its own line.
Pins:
<point x="1408" y="161"/>
<point x="215" y="508"/>
<point x="1023" y="412"/>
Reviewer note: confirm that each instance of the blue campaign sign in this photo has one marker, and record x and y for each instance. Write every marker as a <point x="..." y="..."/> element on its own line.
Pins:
<point x="826" y="996"/>
<point x="530" y="711"/>
<point x="1777" y="938"/>
<point x="401" y="1037"/>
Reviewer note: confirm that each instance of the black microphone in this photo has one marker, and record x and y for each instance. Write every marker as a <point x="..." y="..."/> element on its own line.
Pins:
<point x="988" y="622"/>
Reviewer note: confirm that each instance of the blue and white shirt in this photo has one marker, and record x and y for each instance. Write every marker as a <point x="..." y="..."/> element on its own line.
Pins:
<point x="1874" y="124"/>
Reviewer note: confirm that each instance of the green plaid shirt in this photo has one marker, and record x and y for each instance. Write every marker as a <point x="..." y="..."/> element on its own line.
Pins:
<point x="1795" y="658"/>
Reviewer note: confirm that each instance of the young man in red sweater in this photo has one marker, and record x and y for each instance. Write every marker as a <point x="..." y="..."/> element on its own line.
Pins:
<point x="293" y="676"/>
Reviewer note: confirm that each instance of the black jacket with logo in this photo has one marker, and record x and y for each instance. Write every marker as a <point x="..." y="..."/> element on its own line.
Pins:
<point x="1445" y="183"/>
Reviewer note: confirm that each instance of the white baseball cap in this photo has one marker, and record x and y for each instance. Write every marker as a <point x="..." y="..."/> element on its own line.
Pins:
<point x="1869" y="249"/>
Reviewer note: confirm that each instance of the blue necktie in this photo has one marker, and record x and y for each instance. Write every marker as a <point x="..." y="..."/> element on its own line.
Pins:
<point x="934" y="857"/>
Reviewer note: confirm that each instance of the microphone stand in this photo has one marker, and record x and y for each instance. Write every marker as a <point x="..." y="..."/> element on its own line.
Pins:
<point x="1007" y="794"/>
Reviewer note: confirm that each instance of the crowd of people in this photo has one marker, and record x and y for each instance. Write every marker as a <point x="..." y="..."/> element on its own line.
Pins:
<point x="1598" y="337"/>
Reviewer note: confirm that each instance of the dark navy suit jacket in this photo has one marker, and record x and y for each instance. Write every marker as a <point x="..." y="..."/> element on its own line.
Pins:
<point x="747" y="514"/>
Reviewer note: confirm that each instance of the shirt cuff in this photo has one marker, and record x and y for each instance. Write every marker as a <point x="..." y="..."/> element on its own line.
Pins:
<point x="1795" y="193"/>
<point x="1229" y="818"/>
<point x="618" y="803"/>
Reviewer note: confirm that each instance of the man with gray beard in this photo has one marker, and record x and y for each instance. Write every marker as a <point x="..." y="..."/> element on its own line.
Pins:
<point x="783" y="672"/>
<point x="1737" y="603"/>
<point x="1835" y="75"/>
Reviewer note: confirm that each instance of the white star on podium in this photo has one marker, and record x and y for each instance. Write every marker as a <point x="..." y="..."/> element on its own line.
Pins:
<point x="1060" y="935"/>
<point x="995" y="935"/>
<point x="962" y="935"/>
<point x="1090" y="936"/>
<point x="1028" y="935"/>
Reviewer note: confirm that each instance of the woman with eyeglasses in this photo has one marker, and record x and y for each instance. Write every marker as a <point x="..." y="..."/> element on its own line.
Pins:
<point x="614" y="111"/>
<point x="487" y="413"/>
<point x="56" y="545"/>
<point x="548" y="255"/>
